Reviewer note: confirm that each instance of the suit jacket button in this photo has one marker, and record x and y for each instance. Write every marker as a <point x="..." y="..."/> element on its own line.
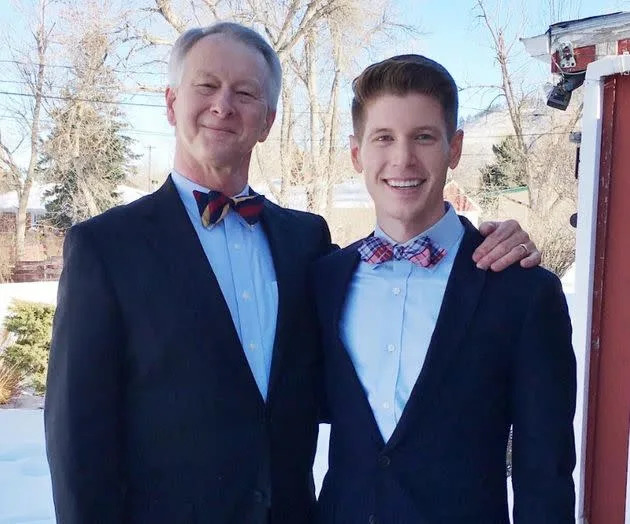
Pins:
<point x="384" y="461"/>
<point x="259" y="496"/>
<point x="372" y="520"/>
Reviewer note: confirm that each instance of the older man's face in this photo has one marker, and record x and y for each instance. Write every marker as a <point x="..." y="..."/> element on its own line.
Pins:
<point x="220" y="109"/>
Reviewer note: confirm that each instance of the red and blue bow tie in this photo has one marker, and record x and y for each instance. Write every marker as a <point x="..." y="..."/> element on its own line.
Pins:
<point x="422" y="251"/>
<point x="213" y="206"/>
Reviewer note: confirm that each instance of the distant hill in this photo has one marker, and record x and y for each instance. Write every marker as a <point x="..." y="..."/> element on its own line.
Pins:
<point x="486" y="129"/>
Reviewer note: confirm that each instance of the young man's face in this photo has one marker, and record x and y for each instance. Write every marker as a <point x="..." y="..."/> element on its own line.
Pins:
<point x="404" y="153"/>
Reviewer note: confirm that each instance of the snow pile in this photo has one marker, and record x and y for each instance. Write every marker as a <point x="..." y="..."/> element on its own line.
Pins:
<point x="25" y="490"/>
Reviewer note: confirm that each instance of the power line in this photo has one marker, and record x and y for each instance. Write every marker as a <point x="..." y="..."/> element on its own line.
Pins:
<point x="64" y="66"/>
<point x="74" y="99"/>
<point x="124" y="91"/>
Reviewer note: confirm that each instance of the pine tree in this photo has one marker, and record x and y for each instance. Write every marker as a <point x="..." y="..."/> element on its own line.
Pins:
<point x="86" y="154"/>
<point x="91" y="158"/>
<point x="508" y="169"/>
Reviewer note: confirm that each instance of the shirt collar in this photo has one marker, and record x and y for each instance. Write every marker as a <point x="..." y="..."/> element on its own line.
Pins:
<point x="445" y="232"/>
<point x="185" y="188"/>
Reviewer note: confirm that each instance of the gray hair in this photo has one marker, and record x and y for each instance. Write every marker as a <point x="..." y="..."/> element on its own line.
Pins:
<point x="238" y="32"/>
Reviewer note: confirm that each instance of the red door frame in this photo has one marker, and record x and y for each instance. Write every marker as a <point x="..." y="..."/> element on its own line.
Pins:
<point x="608" y="422"/>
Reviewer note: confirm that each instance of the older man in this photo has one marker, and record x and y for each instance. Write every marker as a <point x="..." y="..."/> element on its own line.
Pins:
<point x="184" y="360"/>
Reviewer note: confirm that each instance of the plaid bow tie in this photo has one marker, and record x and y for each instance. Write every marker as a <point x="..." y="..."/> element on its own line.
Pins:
<point x="213" y="206"/>
<point x="422" y="251"/>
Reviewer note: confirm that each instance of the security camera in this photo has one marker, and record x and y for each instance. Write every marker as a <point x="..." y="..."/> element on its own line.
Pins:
<point x="560" y="95"/>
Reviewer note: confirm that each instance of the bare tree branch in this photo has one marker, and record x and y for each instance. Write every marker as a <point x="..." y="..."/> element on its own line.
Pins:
<point x="164" y="8"/>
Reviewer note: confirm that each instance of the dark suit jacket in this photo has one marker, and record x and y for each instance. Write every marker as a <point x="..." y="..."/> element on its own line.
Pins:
<point x="500" y="355"/>
<point x="152" y="412"/>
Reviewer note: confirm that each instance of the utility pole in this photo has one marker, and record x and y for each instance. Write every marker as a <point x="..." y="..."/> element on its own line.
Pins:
<point x="150" y="188"/>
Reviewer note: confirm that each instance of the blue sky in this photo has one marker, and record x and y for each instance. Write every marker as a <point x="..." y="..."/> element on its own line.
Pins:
<point x="448" y="32"/>
<point x="453" y="36"/>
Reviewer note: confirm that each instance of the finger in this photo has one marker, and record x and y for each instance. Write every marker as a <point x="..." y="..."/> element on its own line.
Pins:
<point x="502" y="232"/>
<point x="508" y="248"/>
<point x="485" y="228"/>
<point x="511" y="256"/>
<point x="532" y="260"/>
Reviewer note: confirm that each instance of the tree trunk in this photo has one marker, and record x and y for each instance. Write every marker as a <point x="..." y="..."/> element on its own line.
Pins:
<point x="286" y="148"/>
<point x="314" y="193"/>
<point x="332" y="124"/>
<point x="20" y="219"/>
<point x="25" y="191"/>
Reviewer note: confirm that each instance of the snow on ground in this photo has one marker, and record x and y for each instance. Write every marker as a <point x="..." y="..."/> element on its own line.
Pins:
<point x="25" y="491"/>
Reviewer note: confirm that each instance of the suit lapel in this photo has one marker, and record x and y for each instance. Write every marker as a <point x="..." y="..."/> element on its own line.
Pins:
<point x="345" y="267"/>
<point x="175" y="243"/>
<point x="280" y="238"/>
<point x="461" y="296"/>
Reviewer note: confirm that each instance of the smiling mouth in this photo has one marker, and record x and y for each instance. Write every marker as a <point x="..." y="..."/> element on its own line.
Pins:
<point x="404" y="184"/>
<point x="219" y="129"/>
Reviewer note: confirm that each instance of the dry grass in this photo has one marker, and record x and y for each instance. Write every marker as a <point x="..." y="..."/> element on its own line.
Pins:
<point x="7" y="255"/>
<point x="10" y="380"/>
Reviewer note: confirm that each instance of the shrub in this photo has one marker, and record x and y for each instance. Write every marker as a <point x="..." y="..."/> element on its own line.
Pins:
<point x="10" y="380"/>
<point x="30" y="324"/>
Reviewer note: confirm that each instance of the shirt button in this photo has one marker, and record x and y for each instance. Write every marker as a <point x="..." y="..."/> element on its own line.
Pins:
<point x="396" y="291"/>
<point x="237" y="246"/>
<point x="252" y="345"/>
<point x="385" y="405"/>
<point x="391" y="348"/>
<point x="246" y="295"/>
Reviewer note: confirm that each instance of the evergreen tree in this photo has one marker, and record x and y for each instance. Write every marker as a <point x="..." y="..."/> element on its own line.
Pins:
<point x="508" y="169"/>
<point x="86" y="154"/>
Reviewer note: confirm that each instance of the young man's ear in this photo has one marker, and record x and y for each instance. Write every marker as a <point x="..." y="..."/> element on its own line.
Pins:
<point x="170" y="95"/>
<point x="455" y="148"/>
<point x="355" y="150"/>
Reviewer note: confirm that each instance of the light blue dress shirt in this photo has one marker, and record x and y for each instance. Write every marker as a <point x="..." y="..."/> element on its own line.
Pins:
<point x="389" y="316"/>
<point x="241" y="260"/>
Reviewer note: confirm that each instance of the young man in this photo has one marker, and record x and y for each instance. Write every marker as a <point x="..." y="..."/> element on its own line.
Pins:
<point x="428" y="359"/>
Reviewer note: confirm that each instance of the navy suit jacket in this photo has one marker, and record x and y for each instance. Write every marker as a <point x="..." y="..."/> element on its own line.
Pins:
<point x="500" y="355"/>
<point x="152" y="413"/>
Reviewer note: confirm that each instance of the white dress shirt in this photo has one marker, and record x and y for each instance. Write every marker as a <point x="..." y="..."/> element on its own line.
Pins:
<point x="241" y="260"/>
<point x="389" y="316"/>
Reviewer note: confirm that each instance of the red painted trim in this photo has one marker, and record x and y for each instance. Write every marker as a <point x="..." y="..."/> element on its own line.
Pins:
<point x="623" y="46"/>
<point x="583" y="56"/>
<point x="598" y="281"/>
<point x="609" y="389"/>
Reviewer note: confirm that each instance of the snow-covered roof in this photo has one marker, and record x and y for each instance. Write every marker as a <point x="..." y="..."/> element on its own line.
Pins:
<point x="9" y="201"/>
<point x="603" y="31"/>
<point x="37" y="201"/>
<point x="349" y="194"/>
